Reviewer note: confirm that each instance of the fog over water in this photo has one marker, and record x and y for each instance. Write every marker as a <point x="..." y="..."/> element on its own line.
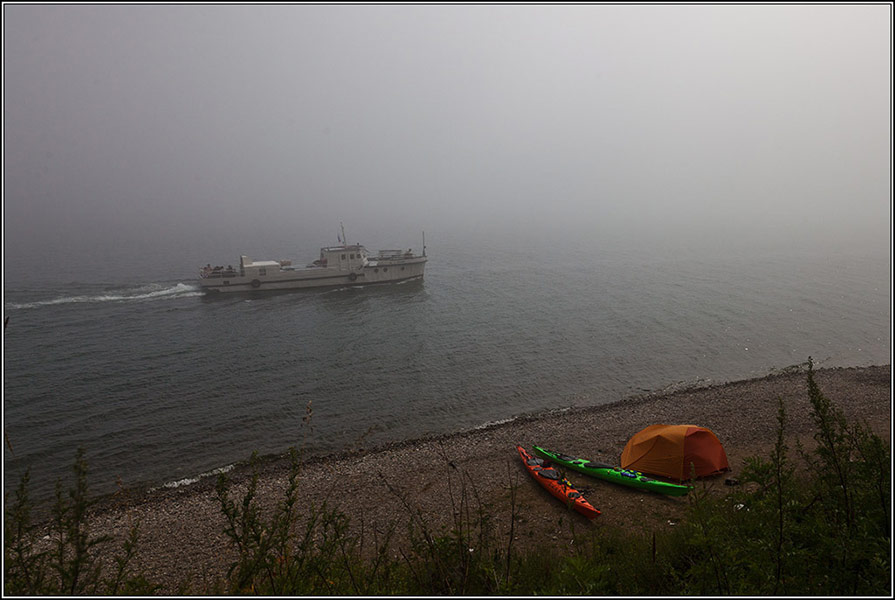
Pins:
<point x="189" y="130"/>
<point x="615" y="199"/>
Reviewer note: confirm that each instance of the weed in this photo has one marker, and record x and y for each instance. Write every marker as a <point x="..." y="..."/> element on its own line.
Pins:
<point x="71" y="563"/>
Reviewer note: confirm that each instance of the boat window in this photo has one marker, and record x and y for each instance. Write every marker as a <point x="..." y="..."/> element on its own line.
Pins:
<point x="402" y="268"/>
<point x="343" y="257"/>
<point x="352" y="257"/>
<point x="384" y="269"/>
<point x="262" y="271"/>
<point x="376" y="270"/>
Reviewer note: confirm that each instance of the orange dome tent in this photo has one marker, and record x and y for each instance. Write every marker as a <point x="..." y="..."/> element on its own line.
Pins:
<point x="669" y="450"/>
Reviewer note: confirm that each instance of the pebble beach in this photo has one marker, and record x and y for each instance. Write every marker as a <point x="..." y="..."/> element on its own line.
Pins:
<point x="182" y="545"/>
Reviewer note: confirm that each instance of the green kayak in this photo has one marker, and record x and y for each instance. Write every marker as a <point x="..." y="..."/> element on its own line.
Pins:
<point x="634" y="479"/>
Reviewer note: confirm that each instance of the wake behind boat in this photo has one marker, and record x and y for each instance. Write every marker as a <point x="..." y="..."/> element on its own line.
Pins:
<point x="338" y="265"/>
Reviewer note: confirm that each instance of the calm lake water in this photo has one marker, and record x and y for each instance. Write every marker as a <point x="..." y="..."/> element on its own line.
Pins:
<point x="160" y="384"/>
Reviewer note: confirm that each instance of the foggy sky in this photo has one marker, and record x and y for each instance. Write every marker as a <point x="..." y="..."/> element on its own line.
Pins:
<point x="152" y="122"/>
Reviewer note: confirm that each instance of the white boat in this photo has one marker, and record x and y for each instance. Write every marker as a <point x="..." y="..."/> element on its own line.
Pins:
<point x="337" y="266"/>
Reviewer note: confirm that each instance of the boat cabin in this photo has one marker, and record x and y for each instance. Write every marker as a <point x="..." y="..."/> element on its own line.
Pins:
<point x="346" y="258"/>
<point x="250" y="268"/>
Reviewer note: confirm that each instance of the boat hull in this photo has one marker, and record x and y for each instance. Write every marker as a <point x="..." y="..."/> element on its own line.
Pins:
<point x="315" y="277"/>
<point x="626" y="477"/>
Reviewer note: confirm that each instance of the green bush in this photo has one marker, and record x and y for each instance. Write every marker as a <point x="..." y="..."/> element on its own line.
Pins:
<point x="822" y="532"/>
<point x="292" y="554"/>
<point x="70" y="562"/>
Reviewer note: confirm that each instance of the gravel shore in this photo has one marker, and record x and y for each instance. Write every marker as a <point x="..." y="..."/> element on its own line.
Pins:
<point x="182" y="538"/>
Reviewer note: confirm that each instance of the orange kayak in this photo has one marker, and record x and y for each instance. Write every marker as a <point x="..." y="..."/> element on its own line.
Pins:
<point x="553" y="481"/>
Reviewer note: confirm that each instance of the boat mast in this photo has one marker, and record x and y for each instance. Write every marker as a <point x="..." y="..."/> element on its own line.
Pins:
<point x="424" y="243"/>
<point x="344" y="239"/>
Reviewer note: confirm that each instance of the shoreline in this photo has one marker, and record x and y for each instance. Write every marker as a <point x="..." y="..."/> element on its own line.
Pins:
<point x="241" y="468"/>
<point x="141" y="492"/>
<point x="182" y="537"/>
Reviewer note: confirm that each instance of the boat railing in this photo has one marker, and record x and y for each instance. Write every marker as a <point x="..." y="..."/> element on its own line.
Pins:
<point x="206" y="273"/>
<point x="394" y="254"/>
